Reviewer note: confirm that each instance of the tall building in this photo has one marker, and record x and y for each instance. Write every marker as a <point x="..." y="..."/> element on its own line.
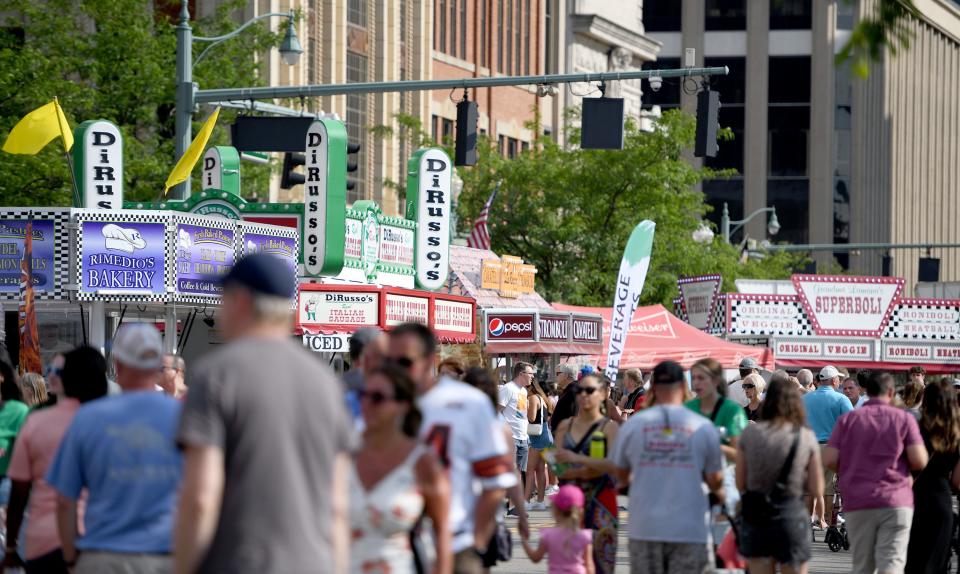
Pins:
<point x="843" y="160"/>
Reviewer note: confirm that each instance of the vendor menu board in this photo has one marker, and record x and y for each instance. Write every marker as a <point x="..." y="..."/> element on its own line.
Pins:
<point x="203" y="255"/>
<point x="12" y="233"/>
<point x="122" y="258"/>
<point x="340" y="308"/>
<point x="284" y="247"/>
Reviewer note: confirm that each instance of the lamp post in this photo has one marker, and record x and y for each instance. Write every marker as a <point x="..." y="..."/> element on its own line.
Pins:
<point x="290" y="51"/>
<point x="773" y="226"/>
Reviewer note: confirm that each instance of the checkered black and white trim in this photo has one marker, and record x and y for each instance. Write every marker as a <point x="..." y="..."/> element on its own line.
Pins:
<point x="782" y="315"/>
<point x="199" y="221"/>
<point x="130" y="216"/>
<point x="924" y="319"/>
<point x="61" y="250"/>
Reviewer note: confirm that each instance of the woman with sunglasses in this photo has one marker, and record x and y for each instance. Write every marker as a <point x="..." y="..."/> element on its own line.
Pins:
<point x="586" y="440"/>
<point x="395" y="480"/>
<point x="752" y="386"/>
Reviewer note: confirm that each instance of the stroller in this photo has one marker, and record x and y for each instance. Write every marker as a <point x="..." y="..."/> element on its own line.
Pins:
<point x="836" y="535"/>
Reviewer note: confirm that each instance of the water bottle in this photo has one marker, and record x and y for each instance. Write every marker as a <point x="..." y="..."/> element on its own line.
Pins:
<point x="598" y="445"/>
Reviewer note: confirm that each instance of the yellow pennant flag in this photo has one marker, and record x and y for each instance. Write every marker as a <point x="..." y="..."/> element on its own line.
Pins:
<point x="37" y="129"/>
<point x="183" y="168"/>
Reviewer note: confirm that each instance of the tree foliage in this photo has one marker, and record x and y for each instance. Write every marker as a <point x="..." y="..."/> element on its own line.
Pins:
<point x="884" y="29"/>
<point x="113" y="60"/>
<point x="570" y="211"/>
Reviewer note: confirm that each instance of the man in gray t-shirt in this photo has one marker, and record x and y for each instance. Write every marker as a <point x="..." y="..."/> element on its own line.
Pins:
<point x="265" y="437"/>
<point x="671" y="457"/>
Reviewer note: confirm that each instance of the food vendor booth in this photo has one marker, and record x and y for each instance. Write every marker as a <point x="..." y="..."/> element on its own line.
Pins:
<point x="657" y="335"/>
<point x="849" y="321"/>
<point x="516" y="322"/>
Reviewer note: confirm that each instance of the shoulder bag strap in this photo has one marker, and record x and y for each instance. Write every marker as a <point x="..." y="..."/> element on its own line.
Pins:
<point x="716" y="409"/>
<point x="589" y="433"/>
<point x="781" y="485"/>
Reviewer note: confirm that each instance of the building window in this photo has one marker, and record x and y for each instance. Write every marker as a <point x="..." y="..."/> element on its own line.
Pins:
<point x="483" y="32"/>
<point x="669" y="95"/>
<point x="453" y="27"/>
<point x="447" y="130"/>
<point x="788" y="124"/>
<point x="791" y="14"/>
<point x="720" y="191"/>
<point x="845" y="15"/>
<point x="435" y="128"/>
<point x="356" y="121"/>
<point x="548" y="37"/>
<point x="518" y="40"/>
<point x="442" y="26"/>
<point x="726" y="15"/>
<point x="357" y="13"/>
<point x="500" y="66"/>
<point x="509" y="32"/>
<point x="463" y="29"/>
<point x="662" y="15"/>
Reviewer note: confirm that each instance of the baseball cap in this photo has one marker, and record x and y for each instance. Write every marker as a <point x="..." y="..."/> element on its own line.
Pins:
<point x="828" y="372"/>
<point x="567" y="497"/>
<point x="667" y="373"/>
<point x="139" y="346"/>
<point x="264" y="274"/>
<point x="749" y="363"/>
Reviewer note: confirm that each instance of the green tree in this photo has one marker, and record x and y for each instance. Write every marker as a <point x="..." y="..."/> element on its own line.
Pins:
<point x="569" y="212"/>
<point x="113" y="60"/>
<point x="884" y="28"/>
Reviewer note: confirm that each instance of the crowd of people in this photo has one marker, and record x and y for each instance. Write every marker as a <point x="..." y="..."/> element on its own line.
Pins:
<point x="258" y="458"/>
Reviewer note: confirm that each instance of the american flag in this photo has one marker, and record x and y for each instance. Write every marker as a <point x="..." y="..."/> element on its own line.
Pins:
<point x="480" y="234"/>
<point x="29" y="340"/>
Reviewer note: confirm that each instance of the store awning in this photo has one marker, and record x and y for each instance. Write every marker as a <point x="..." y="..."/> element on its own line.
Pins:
<point x="656" y="335"/>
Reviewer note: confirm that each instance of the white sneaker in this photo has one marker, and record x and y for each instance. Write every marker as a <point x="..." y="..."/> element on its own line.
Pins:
<point x="538" y="506"/>
<point x="551" y="490"/>
<point x="528" y="505"/>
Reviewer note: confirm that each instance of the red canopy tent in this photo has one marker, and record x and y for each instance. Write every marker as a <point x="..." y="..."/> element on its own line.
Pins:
<point x="657" y="335"/>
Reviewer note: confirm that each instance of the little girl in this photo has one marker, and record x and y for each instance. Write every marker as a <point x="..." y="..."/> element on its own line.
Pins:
<point x="569" y="548"/>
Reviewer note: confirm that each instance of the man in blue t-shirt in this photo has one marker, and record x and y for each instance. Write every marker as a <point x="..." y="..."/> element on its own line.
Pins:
<point x="121" y="449"/>
<point x="824" y="407"/>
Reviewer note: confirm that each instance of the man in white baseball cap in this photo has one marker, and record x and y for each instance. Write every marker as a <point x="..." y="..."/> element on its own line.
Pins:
<point x="121" y="449"/>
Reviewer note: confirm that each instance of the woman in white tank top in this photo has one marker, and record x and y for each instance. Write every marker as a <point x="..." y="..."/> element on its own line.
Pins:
<point x="394" y="481"/>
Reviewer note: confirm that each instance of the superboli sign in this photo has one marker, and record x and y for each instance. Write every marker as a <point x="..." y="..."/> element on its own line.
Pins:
<point x="848" y="306"/>
<point x="699" y="297"/>
<point x="429" y="204"/>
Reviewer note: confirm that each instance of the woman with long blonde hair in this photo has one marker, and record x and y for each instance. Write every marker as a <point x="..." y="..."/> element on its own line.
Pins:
<point x="34" y="390"/>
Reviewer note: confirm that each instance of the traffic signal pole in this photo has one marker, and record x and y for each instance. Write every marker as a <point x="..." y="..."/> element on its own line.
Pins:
<point x="270" y="92"/>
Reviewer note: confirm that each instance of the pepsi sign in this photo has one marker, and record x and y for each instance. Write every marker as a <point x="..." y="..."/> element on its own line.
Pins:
<point x="518" y="327"/>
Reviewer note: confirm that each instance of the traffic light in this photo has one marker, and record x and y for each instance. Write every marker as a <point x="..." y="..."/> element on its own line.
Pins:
<point x="288" y="177"/>
<point x="708" y="121"/>
<point x="352" y="165"/>
<point x="466" y="146"/>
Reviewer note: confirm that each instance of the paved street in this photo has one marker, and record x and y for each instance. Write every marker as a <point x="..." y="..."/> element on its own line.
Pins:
<point x="824" y="561"/>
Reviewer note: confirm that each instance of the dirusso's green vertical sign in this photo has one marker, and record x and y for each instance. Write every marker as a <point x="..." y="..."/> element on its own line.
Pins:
<point x="98" y="164"/>
<point x="324" y="197"/>
<point x="429" y="202"/>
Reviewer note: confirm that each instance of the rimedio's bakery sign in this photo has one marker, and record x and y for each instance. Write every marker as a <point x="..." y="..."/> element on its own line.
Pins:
<point x="848" y="306"/>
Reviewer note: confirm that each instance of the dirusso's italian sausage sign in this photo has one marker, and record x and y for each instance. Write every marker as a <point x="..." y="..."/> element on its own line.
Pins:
<point x="848" y="306"/>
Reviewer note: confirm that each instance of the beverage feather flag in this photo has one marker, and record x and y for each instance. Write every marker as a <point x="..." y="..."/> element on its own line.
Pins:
<point x="38" y="128"/>
<point x="626" y="297"/>
<point x="29" y="339"/>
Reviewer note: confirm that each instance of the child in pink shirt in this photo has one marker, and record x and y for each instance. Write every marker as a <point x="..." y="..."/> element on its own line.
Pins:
<point x="568" y="547"/>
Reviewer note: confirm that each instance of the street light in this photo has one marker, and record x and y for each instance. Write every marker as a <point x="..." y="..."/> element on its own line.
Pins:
<point x="290" y="51"/>
<point x="773" y="225"/>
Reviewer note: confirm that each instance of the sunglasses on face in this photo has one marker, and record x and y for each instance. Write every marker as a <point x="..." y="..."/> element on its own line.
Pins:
<point x="376" y="398"/>
<point x="749" y="386"/>
<point x="585" y="390"/>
